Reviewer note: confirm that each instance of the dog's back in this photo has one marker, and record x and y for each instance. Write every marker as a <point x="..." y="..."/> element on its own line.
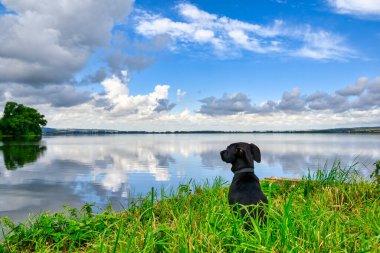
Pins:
<point x="245" y="193"/>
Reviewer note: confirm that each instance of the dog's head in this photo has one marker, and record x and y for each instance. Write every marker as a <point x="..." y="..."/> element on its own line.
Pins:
<point x="242" y="153"/>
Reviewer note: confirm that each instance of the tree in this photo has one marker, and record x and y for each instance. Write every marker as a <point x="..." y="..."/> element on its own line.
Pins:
<point x="21" y="120"/>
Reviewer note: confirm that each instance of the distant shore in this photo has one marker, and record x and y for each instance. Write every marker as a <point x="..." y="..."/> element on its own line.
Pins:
<point x="357" y="130"/>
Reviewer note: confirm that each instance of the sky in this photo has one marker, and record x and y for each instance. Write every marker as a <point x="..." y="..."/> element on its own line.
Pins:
<point x="193" y="65"/>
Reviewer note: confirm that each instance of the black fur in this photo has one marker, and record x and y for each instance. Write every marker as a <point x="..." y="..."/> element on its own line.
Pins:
<point x="245" y="190"/>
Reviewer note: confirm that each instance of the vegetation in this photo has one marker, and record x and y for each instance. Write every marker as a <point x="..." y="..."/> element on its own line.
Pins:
<point x="375" y="175"/>
<point x="21" y="120"/>
<point x="332" y="210"/>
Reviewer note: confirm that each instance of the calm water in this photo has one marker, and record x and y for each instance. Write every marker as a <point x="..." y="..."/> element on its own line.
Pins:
<point x="44" y="175"/>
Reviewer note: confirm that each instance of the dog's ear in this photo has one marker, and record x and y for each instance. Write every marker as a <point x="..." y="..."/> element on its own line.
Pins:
<point x="255" y="152"/>
<point x="248" y="156"/>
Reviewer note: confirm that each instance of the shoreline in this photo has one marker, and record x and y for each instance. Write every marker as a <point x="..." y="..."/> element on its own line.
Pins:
<point x="74" y="131"/>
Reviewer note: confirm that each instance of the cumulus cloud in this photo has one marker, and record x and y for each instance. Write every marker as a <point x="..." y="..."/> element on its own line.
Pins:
<point x="62" y="95"/>
<point x="228" y="36"/>
<point x="164" y="105"/>
<point x="49" y="41"/>
<point x="322" y="101"/>
<point x="116" y="108"/>
<point x="151" y="111"/>
<point x="97" y="77"/>
<point x="228" y="104"/>
<point x="371" y="98"/>
<point x="354" y="90"/>
<point x="363" y="95"/>
<point x="114" y="101"/>
<point x="118" y="102"/>
<point x="357" y="7"/>
<point x="291" y="101"/>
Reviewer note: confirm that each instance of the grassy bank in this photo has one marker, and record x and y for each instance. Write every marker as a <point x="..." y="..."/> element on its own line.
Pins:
<point x="330" y="211"/>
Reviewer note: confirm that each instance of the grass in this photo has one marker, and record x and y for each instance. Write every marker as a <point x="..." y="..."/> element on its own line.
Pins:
<point x="329" y="211"/>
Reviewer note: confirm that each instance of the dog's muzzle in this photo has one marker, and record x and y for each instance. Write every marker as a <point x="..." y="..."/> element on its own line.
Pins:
<point x="223" y="154"/>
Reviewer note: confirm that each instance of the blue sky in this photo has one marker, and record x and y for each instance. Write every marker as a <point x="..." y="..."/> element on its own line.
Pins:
<point x="193" y="65"/>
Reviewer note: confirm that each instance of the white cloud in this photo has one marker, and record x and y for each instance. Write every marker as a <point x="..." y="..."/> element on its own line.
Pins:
<point x="117" y="100"/>
<point x="49" y="41"/>
<point x="228" y="36"/>
<point x="323" y="45"/>
<point x="363" y="95"/>
<point x="115" y="108"/>
<point x="356" y="7"/>
<point x="203" y="35"/>
<point x="191" y="12"/>
<point x="355" y="89"/>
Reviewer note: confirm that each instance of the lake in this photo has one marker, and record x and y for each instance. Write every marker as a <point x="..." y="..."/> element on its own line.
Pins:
<point x="44" y="175"/>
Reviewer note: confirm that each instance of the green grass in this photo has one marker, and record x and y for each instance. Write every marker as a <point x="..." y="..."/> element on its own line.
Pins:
<point x="329" y="211"/>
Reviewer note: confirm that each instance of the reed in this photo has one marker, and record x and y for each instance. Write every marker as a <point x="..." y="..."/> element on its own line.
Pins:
<point x="331" y="210"/>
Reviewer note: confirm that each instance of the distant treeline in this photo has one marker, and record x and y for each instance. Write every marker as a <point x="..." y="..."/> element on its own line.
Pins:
<point x="53" y="131"/>
<point x="345" y="130"/>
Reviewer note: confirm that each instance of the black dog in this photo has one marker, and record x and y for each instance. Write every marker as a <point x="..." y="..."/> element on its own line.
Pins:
<point x="245" y="190"/>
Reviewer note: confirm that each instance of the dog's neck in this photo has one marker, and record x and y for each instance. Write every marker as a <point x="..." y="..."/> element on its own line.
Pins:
<point x="243" y="170"/>
<point x="241" y="164"/>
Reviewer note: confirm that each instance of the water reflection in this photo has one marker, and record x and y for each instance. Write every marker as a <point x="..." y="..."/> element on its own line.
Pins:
<point x="111" y="169"/>
<point x="295" y="154"/>
<point x="18" y="152"/>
